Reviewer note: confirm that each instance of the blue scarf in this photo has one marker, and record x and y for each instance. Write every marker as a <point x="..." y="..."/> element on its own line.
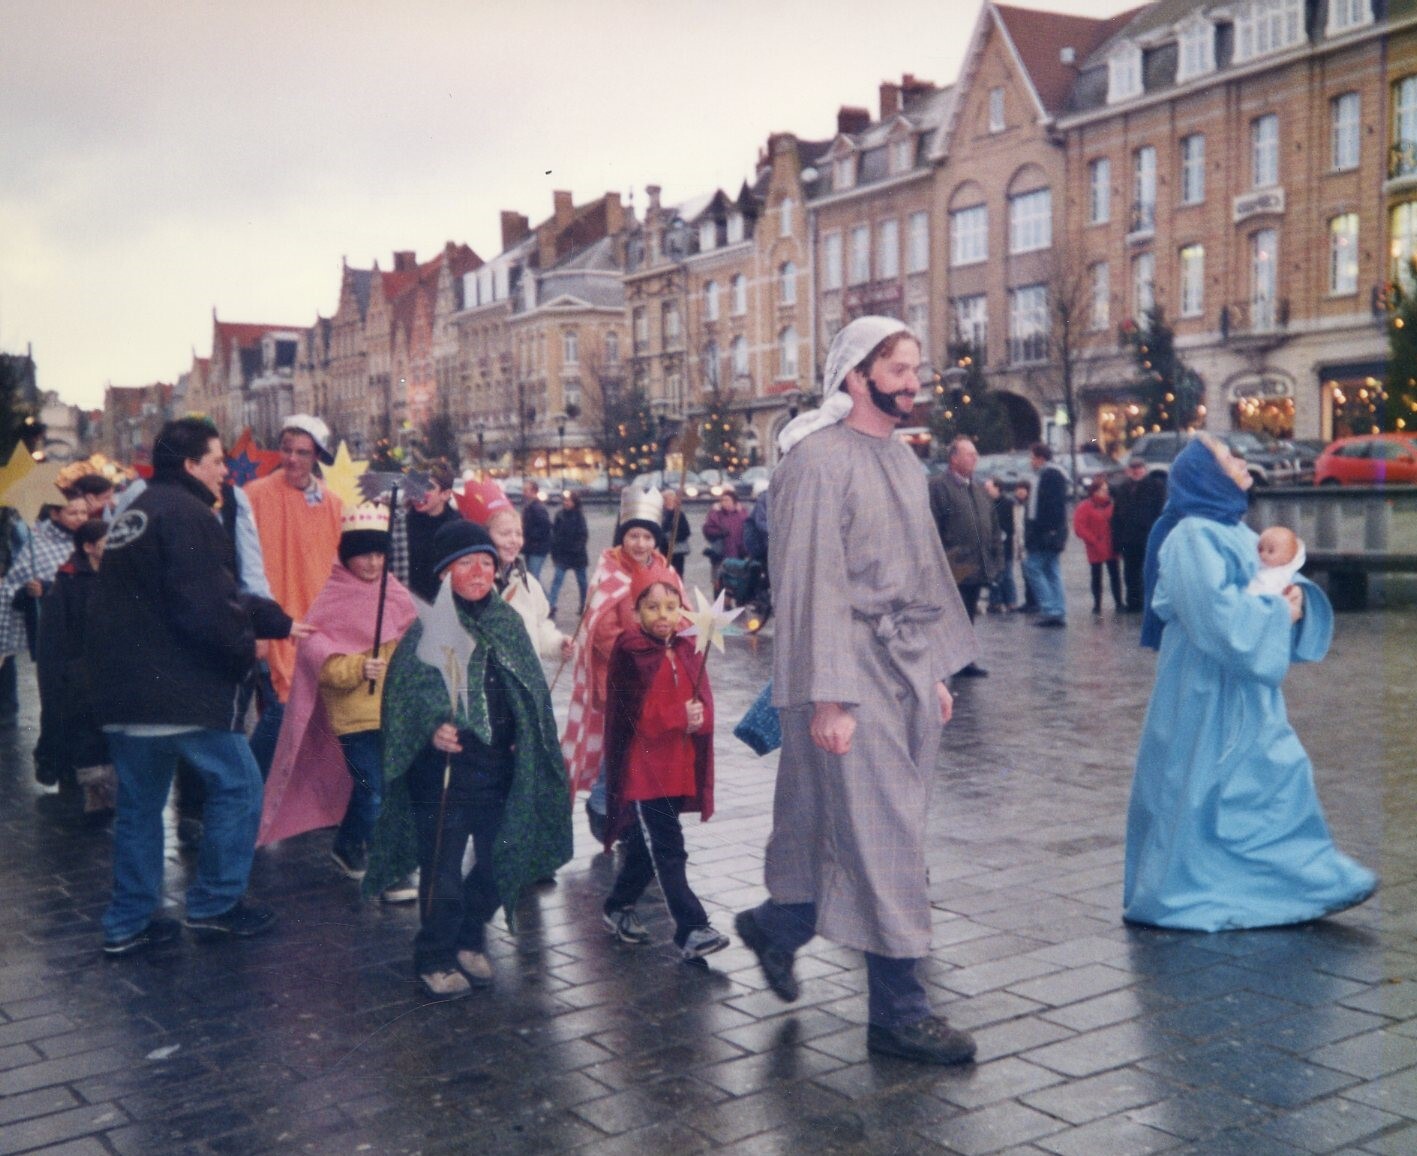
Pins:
<point x="1196" y="488"/>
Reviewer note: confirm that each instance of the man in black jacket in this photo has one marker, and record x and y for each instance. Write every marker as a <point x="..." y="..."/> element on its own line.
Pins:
<point x="1136" y="504"/>
<point x="169" y="641"/>
<point x="969" y="530"/>
<point x="1045" y="533"/>
<point x="536" y="529"/>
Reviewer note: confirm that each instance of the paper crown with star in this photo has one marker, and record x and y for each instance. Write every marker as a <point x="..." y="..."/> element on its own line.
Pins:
<point x="364" y="529"/>
<point x="480" y="502"/>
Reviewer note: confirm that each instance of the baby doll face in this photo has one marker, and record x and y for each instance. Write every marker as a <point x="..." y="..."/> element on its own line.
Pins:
<point x="366" y="567"/>
<point x="1278" y="546"/>
<point x="659" y="611"/>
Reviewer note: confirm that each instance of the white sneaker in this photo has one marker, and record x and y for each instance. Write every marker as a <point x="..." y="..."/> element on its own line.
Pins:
<point x="625" y="926"/>
<point x="703" y="941"/>
<point x="404" y="891"/>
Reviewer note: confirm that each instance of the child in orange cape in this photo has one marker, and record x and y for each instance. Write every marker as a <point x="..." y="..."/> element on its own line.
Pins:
<point x="659" y="763"/>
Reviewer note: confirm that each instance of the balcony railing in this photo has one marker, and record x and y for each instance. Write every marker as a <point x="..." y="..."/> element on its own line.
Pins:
<point x="1402" y="160"/>
<point x="1260" y="317"/>
<point x="1143" y="218"/>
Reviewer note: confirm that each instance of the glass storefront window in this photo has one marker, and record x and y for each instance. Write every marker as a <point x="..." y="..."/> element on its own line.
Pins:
<point x="1273" y="416"/>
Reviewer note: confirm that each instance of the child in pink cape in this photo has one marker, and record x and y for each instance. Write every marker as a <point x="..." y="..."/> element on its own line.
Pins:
<point x="329" y="768"/>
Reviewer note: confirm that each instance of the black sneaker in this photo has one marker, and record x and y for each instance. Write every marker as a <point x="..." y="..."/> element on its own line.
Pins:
<point x="243" y="921"/>
<point x="931" y="1041"/>
<point x="352" y="861"/>
<point x="158" y="930"/>
<point x="776" y="963"/>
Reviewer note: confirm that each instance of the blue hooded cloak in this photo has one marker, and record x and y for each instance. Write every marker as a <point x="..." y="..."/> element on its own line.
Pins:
<point x="1224" y="827"/>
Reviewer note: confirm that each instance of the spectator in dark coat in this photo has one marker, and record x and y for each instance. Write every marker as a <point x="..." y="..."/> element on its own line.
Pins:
<point x="969" y="530"/>
<point x="536" y="530"/>
<point x="569" y="535"/>
<point x="677" y="531"/>
<point x="1045" y="533"/>
<point x="1138" y="499"/>
<point x="1003" y="593"/>
<point x="723" y="530"/>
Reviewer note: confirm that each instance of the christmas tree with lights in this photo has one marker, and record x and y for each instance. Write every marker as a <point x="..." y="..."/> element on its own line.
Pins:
<point x="718" y="435"/>
<point x="1399" y="401"/>
<point x="1170" y="392"/>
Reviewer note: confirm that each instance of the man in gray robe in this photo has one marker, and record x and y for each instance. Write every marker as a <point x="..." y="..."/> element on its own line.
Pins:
<point x="870" y="625"/>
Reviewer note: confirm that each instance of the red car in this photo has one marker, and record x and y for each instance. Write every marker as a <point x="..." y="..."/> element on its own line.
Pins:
<point x="1369" y="460"/>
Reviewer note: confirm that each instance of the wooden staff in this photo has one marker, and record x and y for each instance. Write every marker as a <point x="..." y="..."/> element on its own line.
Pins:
<point x="384" y="583"/>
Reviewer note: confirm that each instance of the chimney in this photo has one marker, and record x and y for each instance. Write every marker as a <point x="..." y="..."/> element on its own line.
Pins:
<point x="912" y="86"/>
<point x="405" y="260"/>
<point x="653" y="193"/>
<point x="614" y="215"/>
<point x="890" y="99"/>
<point x="564" y="208"/>
<point x="515" y="227"/>
<point x="852" y="120"/>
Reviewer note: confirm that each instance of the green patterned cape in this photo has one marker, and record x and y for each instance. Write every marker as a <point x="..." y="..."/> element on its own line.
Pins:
<point x="535" y="838"/>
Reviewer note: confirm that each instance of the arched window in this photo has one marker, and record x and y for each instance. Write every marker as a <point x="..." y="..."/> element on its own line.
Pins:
<point x="739" y="350"/>
<point x="711" y="301"/>
<point x="711" y="366"/>
<point x="740" y="295"/>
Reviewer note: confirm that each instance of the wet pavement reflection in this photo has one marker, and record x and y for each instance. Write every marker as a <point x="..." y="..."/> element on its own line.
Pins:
<point x="1093" y="1038"/>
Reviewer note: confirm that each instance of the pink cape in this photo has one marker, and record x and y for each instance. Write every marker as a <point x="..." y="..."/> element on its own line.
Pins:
<point x="309" y="784"/>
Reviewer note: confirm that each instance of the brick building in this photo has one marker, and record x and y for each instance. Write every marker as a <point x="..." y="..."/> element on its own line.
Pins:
<point x="718" y="292"/>
<point x="1222" y="164"/>
<point x="132" y="417"/>
<point x="540" y="331"/>
<point x="249" y="378"/>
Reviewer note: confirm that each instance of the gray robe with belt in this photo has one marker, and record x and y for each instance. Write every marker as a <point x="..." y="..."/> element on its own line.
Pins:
<point x="868" y="615"/>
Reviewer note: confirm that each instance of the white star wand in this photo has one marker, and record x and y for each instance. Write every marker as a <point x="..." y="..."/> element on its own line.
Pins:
<point x="709" y="622"/>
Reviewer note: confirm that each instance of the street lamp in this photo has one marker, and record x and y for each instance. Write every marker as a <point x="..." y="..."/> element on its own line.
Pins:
<point x="561" y="438"/>
<point x="481" y="436"/>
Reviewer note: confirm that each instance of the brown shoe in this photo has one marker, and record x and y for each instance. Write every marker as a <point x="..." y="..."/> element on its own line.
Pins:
<point x="931" y="1041"/>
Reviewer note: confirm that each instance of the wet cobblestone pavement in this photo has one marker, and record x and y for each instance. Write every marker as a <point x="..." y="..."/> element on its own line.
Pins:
<point x="1094" y="1039"/>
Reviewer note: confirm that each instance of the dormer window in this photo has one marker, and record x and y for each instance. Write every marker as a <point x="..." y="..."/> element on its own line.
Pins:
<point x="903" y="155"/>
<point x="735" y="228"/>
<point x="844" y="172"/>
<point x="1124" y="74"/>
<point x="1197" y="49"/>
<point x="708" y="236"/>
<point x="1266" y="26"/>
<point x="1344" y="15"/>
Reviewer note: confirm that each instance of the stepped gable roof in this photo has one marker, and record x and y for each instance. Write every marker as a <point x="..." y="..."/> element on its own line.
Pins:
<point x="244" y="333"/>
<point x="1038" y="38"/>
<point x="360" y="280"/>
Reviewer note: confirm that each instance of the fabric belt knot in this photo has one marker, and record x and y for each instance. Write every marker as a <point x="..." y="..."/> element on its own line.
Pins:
<point x="888" y="627"/>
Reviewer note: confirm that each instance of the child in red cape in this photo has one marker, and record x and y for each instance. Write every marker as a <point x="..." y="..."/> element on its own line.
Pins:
<point x="659" y="763"/>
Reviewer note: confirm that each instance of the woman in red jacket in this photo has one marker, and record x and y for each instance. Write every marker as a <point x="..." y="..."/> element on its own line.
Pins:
<point x="1092" y="522"/>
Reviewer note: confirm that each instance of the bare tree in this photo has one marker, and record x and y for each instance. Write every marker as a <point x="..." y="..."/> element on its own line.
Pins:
<point x="1071" y="338"/>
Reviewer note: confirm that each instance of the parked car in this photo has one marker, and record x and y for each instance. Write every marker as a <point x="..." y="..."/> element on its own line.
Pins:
<point x="1387" y="459"/>
<point x="1305" y="454"/>
<point x="1008" y="469"/>
<point x="743" y="484"/>
<point x="1267" y="462"/>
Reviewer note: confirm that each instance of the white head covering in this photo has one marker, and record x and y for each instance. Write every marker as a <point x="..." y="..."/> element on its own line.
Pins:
<point x="849" y="349"/>
<point x="317" y="431"/>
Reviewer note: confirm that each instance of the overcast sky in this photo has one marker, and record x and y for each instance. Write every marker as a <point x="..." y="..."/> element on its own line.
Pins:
<point x="160" y="158"/>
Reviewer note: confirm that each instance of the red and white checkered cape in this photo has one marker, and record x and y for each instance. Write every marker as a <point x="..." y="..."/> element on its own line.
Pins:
<point x="584" y="739"/>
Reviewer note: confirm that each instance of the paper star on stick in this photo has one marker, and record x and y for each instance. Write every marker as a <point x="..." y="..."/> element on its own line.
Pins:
<point x="342" y="478"/>
<point x="709" y="621"/>
<point x="36" y="489"/>
<point x="21" y="462"/>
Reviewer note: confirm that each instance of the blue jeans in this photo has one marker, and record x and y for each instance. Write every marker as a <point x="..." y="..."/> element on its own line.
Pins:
<point x="1004" y="592"/>
<point x="535" y="563"/>
<point x="1045" y="578"/>
<point x="364" y="758"/>
<point x="895" y="997"/>
<point x="559" y="577"/>
<point x="232" y="813"/>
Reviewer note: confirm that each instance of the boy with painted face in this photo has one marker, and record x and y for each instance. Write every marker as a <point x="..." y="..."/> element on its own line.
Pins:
<point x="659" y="763"/>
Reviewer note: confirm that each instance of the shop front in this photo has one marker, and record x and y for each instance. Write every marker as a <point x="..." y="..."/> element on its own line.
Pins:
<point x="1351" y="398"/>
<point x="1262" y="403"/>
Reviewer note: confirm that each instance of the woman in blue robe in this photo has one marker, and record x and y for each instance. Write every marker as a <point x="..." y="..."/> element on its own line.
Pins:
<point x="1224" y="829"/>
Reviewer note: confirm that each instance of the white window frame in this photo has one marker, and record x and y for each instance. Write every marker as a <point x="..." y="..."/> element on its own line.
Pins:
<point x="902" y="155"/>
<point x="671" y="324"/>
<point x="1404" y="126"/>
<point x="1192" y="149"/>
<point x="785" y="217"/>
<point x="1345" y="116"/>
<point x="917" y="319"/>
<point x="860" y="269"/>
<point x="917" y="243"/>
<point x="1099" y="190"/>
<point x="570" y="347"/>
<point x="708" y="236"/>
<point x="713" y="364"/>
<point x="787" y="349"/>
<point x="888" y="250"/>
<point x="735" y="228"/>
<point x="1028" y="324"/>
<point x="1266" y="26"/>
<point x="710" y="300"/>
<point x="612" y="348"/>
<point x="1100" y="311"/>
<point x="738" y="351"/>
<point x="1143" y="284"/>
<point x="1196" y="38"/>
<point x="787" y="283"/>
<point x="996" y="110"/>
<point x="738" y="287"/>
<point x="831" y="261"/>
<point x="970" y="316"/>
<point x="969" y="236"/>
<point x="1402" y="233"/>
<point x="1144" y="189"/>
<point x="1031" y="221"/>
<point x="1264" y="151"/>
<point x="1343" y="255"/>
<point x="1191" y="260"/>
<point x="1346" y="15"/>
<point x="1124" y="73"/>
<point x="640" y="321"/>
<point x="1264" y="278"/>
<point x="844" y="172"/>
